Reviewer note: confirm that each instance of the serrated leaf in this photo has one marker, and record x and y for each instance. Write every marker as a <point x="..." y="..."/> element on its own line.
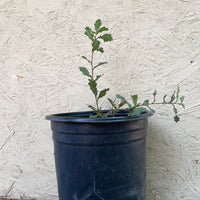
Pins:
<point x="102" y="93"/>
<point x="137" y="111"/>
<point x="86" y="58"/>
<point x="100" y="50"/>
<point x="93" y="86"/>
<point x="85" y="71"/>
<point x="97" y="24"/>
<point x="176" y="118"/>
<point x="95" y="45"/>
<point x="146" y="102"/>
<point x="102" y="29"/>
<point x="106" y="37"/>
<point x="123" y="100"/>
<point x="101" y="63"/>
<point x="134" y="99"/>
<point x="92" y="107"/>
<point x="89" y="33"/>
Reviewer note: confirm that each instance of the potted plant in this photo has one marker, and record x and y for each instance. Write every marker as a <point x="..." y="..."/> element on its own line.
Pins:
<point x="100" y="154"/>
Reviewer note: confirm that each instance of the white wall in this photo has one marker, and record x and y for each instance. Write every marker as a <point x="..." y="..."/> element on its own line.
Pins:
<point x="156" y="45"/>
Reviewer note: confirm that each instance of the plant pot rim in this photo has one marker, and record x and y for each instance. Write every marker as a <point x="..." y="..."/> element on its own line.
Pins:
<point x="83" y="117"/>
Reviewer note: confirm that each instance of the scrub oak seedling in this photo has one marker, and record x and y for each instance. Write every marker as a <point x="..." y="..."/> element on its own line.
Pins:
<point x="97" y="36"/>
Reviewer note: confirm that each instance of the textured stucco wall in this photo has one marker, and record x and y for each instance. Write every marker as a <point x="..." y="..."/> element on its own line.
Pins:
<point x="156" y="45"/>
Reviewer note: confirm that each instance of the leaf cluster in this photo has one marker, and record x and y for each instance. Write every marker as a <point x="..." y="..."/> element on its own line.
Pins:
<point x="96" y="35"/>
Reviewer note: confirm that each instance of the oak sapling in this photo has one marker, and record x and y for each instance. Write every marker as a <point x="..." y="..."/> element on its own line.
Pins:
<point x="98" y="35"/>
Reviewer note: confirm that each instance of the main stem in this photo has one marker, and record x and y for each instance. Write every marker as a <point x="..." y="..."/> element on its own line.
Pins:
<point x="96" y="97"/>
<point x="166" y="103"/>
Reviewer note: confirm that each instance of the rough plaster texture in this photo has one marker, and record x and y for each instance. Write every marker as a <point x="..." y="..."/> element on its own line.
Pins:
<point x="156" y="45"/>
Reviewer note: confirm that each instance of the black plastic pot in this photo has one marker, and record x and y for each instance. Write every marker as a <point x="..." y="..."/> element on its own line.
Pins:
<point x="100" y="158"/>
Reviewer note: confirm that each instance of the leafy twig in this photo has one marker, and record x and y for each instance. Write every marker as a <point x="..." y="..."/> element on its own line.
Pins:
<point x="137" y="108"/>
<point x="95" y="36"/>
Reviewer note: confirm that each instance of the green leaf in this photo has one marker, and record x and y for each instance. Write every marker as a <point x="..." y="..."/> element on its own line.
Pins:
<point x="93" y="116"/>
<point x="175" y="110"/>
<point x="120" y="97"/>
<point x="183" y="105"/>
<point x="98" y="76"/>
<point x="182" y="99"/>
<point x="85" y="71"/>
<point x="106" y="37"/>
<point x="92" y="107"/>
<point x="138" y="111"/>
<point x="101" y="63"/>
<point x="95" y="45"/>
<point x="106" y="115"/>
<point x="134" y="99"/>
<point x="123" y="100"/>
<point x="164" y="99"/>
<point x="154" y="96"/>
<point x="102" y="93"/>
<point x="97" y="24"/>
<point x="121" y="104"/>
<point x="146" y="103"/>
<point x="100" y="50"/>
<point x="112" y="103"/>
<point x="176" y="118"/>
<point x="89" y="33"/>
<point x="102" y="29"/>
<point x="93" y="86"/>
<point x="152" y="110"/>
<point x="177" y="93"/>
<point x="86" y="58"/>
<point x="155" y="93"/>
<point x="172" y="97"/>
